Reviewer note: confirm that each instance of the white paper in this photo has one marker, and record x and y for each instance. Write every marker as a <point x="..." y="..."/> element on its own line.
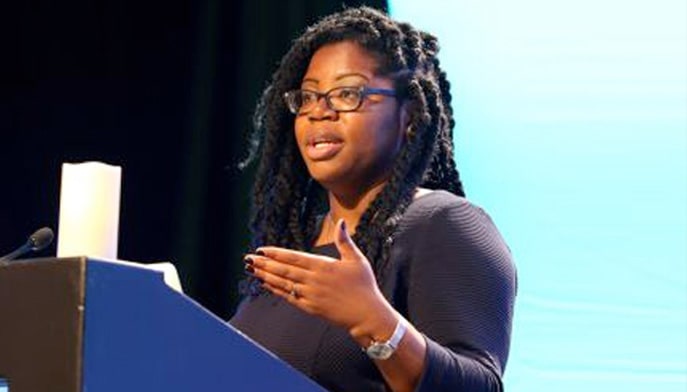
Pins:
<point x="89" y="210"/>
<point x="170" y="275"/>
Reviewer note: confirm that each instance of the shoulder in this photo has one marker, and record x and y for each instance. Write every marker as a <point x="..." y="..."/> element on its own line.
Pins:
<point x="444" y="228"/>
<point x="438" y="209"/>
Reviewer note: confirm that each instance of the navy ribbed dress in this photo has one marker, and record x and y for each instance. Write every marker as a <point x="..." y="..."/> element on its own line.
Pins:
<point x="451" y="276"/>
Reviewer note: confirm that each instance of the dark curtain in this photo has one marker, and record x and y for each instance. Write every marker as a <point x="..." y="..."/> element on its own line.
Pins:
<point x="164" y="89"/>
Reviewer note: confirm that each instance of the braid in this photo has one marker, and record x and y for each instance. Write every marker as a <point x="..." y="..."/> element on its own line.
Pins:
<point x="287" y="204"/>
<point x="443" y="167"/>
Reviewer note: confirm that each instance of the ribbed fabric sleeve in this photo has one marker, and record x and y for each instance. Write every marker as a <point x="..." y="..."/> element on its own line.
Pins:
<point x="461" y="290"/>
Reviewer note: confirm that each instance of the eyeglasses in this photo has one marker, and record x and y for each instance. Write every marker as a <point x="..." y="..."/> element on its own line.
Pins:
<point x="339" y="99"/>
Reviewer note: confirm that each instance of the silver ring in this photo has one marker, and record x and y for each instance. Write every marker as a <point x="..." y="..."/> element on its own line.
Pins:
<point x="293" y="291"/>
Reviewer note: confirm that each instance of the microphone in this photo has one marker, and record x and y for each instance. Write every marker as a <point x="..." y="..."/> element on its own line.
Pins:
<point x="37" y="241"/>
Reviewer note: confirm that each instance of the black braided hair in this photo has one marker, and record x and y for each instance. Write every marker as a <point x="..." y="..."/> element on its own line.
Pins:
<point x="287" y="202"/>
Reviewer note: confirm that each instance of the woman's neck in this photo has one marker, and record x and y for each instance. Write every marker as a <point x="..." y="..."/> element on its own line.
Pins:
<point x="349" y="206"/>
<point x="352" y="206"/>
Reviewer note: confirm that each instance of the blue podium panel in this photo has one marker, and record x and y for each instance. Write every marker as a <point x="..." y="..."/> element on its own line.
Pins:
<point x="140" y="335"/>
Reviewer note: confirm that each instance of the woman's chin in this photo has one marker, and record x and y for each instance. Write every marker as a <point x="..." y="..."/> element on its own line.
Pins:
<point x="327" y="179"/>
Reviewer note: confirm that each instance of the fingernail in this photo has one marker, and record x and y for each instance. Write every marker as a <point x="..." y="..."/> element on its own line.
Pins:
<point x="259" y="252"/>
<point x="249" y="269"/>
<point x="248" y="260"/>
<point x="342" y="232"/>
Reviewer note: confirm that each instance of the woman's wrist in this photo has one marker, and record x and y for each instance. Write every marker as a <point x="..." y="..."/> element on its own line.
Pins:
<point x="377" y="327"/>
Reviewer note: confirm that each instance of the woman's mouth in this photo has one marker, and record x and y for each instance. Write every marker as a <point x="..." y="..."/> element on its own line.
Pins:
<point x="321" y="149"/>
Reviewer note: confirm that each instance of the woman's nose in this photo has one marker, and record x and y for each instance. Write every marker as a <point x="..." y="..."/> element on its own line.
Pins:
<point x="322" y="111"/>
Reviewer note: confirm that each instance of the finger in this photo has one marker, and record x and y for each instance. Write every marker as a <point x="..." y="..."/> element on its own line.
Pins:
<point x="278" y="283"/>
<point x="293" y="257"/>
<point x="276" y="267"/>
<point x="278" y="291"/>
<point x="294" y="296"/>
<point x="344" y="243"/>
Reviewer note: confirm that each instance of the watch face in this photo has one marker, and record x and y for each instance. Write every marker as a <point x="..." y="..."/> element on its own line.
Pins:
<point x="380" y="351"/>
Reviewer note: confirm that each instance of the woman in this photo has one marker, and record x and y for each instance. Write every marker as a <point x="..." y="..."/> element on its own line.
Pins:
<point x="371" y="271"/>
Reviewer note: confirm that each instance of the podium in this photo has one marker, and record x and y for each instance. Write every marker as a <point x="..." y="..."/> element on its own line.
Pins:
<point x="80" y="324"/>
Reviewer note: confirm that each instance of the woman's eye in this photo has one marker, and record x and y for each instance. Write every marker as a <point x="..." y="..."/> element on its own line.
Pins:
<point x="348" y="94"/>
<point x="307" y="98"/>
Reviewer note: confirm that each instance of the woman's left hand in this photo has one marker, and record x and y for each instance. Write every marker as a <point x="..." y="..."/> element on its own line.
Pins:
<point x="342" y="291"/>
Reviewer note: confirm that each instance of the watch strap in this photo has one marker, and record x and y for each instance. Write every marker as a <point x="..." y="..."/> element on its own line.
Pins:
<point x="398" y="334"/>
<point x="383" y="350"/>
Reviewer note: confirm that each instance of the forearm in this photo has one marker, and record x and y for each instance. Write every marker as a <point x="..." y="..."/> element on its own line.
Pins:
<point x="418" y="360"/>
<point x="403" y="370"/>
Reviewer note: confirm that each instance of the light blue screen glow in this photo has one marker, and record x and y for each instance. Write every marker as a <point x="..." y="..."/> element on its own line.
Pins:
<point x="572" y="133"/>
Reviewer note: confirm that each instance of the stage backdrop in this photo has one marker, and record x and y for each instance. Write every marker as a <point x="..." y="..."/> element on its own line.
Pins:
<point x="572" y="134"/>
<point x="164" y="89"/>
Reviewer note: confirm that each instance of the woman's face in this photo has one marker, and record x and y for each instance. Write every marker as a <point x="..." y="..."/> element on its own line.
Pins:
<point x="349" y="151"/>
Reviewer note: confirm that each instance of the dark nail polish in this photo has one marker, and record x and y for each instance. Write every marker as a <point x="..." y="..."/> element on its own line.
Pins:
<point x="342" y="232"/>
<point x="259" y="252"/>
<point x="248" y="260"/>
<point x="249" y="269"/>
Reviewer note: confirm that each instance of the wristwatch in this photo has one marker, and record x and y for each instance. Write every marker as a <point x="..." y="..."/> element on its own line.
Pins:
<point x="384" y="350"/>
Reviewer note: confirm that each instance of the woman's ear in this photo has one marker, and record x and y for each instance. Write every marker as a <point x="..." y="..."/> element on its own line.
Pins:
<point x="404" y="121"/>
<point x="405" y="115"/>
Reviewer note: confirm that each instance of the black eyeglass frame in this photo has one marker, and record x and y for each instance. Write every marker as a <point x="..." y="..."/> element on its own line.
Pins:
<point x="364" y="91"/>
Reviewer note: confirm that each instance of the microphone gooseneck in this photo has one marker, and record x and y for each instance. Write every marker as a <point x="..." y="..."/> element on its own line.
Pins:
<point x="37" y="241"/>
